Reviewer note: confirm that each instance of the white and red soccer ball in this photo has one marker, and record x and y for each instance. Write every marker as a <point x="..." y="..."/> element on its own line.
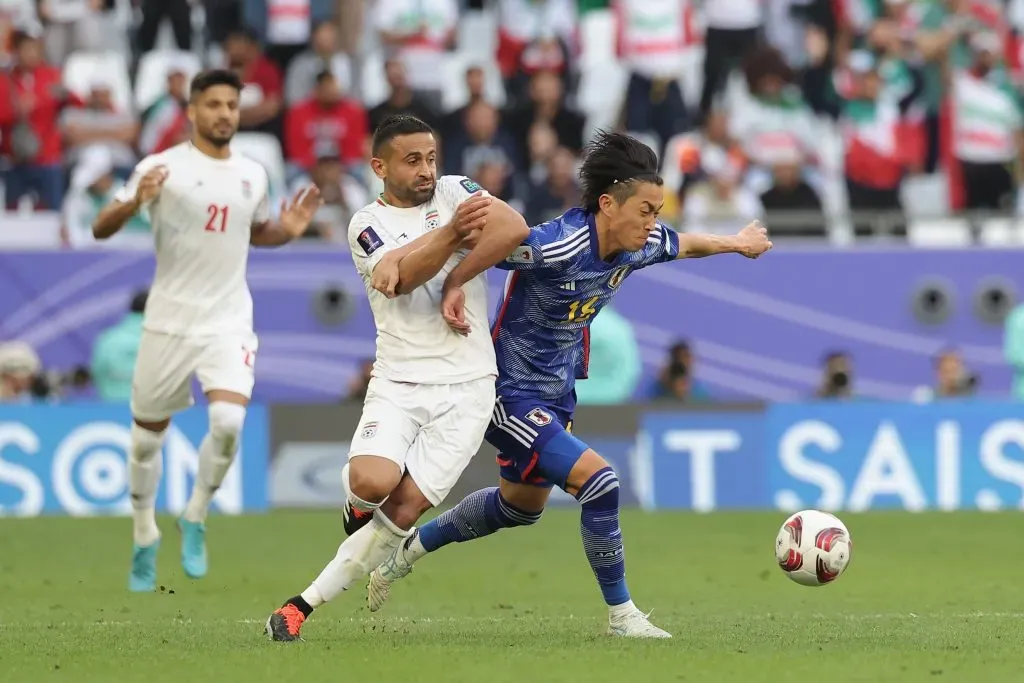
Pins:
<point x="813" y="548"/>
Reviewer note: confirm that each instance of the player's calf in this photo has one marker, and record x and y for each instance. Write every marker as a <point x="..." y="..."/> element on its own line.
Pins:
<point x="145" y="467"/>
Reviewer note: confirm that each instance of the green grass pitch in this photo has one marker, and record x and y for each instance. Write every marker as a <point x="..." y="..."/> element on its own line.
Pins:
<point x="928" y="597"/>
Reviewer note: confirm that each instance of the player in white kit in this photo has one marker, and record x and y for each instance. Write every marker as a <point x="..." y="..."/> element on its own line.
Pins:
<point x="207" y="206"/>
<point x="423" y="241"/>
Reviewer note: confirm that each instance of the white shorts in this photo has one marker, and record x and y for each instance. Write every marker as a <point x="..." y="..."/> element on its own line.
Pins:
<point x="162" y="384"/>
<point x="431" y="431"/>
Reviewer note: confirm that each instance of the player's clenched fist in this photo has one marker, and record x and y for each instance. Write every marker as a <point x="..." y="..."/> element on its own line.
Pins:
<point x="753" y="240"/>
<point x="149" y="186"/>
<point x="471" y="214"/>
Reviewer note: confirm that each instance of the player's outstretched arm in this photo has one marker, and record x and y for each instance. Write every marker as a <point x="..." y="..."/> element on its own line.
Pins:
<point x="505" y="230"/>
<point x="751" y="241"/>
<point x="293" y="222"/>
<point x="114" y="215"/>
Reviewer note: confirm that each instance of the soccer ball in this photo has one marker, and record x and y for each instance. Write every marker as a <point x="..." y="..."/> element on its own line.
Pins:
<point x="813" y="547"/>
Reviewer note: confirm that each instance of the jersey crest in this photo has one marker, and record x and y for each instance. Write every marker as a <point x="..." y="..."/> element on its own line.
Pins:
<point x="618" y="275"/>
<point x="433" y="219"/>
<point x="539" y="417"/>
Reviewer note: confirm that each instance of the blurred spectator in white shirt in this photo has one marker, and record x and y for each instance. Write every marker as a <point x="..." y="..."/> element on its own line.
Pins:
<point x="19" y="366"/>
<point x="341" y="192"/>
<point x="534" y="35"/>
<point x="100" y="122"/>
<point x="76" y="25"/>
<point x="323" y="54"/>
<point x="418" y="33"/>
<point x="93" y="186"/>
<point x="721" y="203"/>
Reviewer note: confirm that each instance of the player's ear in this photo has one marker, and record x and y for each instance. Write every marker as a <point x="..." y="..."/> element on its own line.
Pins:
<point x="607" y="204"/>
<point x="190" y="111"/>
<point x="379" y="167"/>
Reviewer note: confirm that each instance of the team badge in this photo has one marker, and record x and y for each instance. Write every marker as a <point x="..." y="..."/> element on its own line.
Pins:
<point x="368" y="431"/>
<point x="369" y="240"/>
<point x="538" y="417"/>
<point x="469" y="186"/>
<point x="618" y="275"/>
<point x="433" y="220"/>
<point x="521" y="255"/>
<point x="246" y="189"/>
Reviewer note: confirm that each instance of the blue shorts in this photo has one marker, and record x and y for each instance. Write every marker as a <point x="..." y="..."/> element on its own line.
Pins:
<point x="534" y="440"/>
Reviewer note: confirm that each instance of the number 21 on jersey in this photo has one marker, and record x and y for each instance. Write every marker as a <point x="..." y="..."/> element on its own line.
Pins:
<point x="217" y="218"/>
<point x="582" y="310"/>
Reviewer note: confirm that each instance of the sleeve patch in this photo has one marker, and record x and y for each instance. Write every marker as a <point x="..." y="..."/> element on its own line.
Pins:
<point x="369" y="240"/>
<point x="470" y="186"/>
<point x="521" y="255"/>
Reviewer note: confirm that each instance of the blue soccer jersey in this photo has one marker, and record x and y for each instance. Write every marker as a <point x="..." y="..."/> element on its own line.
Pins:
<point x="557" y="284"/>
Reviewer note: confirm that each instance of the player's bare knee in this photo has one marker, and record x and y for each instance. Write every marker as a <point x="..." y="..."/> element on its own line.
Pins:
<point x="589" y="464"/>
<point x="226" y="421"/>
<point x="372" y="478"/>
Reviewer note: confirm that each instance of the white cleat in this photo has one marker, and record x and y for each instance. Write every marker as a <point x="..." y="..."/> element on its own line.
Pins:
<point x="379" y="588"/>
<point x="635" y="625"/>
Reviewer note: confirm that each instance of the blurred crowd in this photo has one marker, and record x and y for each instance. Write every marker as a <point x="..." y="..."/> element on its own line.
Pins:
<point x="795" y="109"/>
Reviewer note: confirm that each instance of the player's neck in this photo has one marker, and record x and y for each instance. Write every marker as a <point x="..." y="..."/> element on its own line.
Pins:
<point x="211" y="150"/>
<point x="607" y="247"/>
<point x="392" y="200"/>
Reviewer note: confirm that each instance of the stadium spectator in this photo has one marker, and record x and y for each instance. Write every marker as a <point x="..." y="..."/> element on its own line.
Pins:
<point x="114" y="353"/>
<point x="360" y="382"/>
<point x="19" y="367"/>
<point x="614" y="362"/>
<point x="653" y="36"/>
<point x="837" y="377"/>
<point x="99" y="122"/>
<point x="261" y="101"/>
<point x="988" y="126"/>
<point x="482" y="140"/>
<point x="323" y="54"/>
<point x="452" y="122"/>
<point x="533" y="35"/>
<point x="93" y="185"/>
<point x="401" y="98"/>
<point x="16" y="15"/>
<point x="676" y="381"/>
<point x="557" y="192"/>
<point x="718" y="204"/>
<point x="733" y="30"/>
<point x="178" y="12"/>
<point x="546" y="104"/>
<point x="75" y="25"/>
<point x="542" y="141"/>
<point x="341" y="192"/>
<point x="31" y="99"/>
<point x="326" y="116"/>
<point x="952" y="379"/>
<point x="693" y="148"/>
<point x="417" y="33"/>
<point x="496" y="176"/>
<point x="165" y="122"/>
<point x="285" y="26"/>
<point x="792" y="206"/>
<point x="222" y="17"/>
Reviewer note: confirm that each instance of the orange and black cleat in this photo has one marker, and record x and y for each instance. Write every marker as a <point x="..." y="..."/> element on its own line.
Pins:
<point x="354" y="520"/>
<point x="285" y="623"/>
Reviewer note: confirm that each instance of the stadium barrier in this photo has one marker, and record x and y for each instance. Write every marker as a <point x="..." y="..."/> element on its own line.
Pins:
<point x="851" y="456"/>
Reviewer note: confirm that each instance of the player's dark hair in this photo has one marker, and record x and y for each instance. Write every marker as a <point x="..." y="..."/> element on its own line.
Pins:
<point x="614" y="163"/>
<point x="205" y="80"/>
<point x="323" y="76"/>
<point x="138" y="304"/>
<point x="396" y="126"/>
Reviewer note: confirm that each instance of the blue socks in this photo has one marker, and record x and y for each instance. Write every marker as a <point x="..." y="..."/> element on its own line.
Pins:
<point x="602" y="537"/>
<point x="479" y="514"/>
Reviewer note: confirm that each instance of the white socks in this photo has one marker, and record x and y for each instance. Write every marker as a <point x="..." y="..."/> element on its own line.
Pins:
<point x="216" y="453"/>
<point x="616" y="612"/>
<point x="357" y="556"/>
<point x="145" y="467"/>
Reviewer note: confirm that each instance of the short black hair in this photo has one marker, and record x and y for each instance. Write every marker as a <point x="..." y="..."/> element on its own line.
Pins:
<point x="246" y="33"/>
<point x="323" y="76"/>
<point x="207" y="79"/>
<point x="614" y="163"/>
<point x="138" y="304"/>
<point x="394" y="126"/>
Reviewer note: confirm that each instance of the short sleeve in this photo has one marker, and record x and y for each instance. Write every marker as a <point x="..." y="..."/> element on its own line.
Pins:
<point x="368" y="240"/>
<point x="545" y="248"/>
<point x="452" y="190"/>
<point x="262" y="213"/>
<point x="127" y="193"/>
<point x="662" y="245"/>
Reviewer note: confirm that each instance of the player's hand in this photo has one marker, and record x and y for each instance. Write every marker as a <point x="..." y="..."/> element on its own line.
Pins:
<point x="297" y="214"/>
<point x="752" y="241"/>
<point x="471" y="214"/>
<point x="149" y="186"/>
<point x="385" y="275"/>
<point x="453" y="309"/>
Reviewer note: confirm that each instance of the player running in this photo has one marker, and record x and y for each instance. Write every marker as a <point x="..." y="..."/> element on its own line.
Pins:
<point x="207" y="205"/>
<point x="562" y="275"/>
<point x="432" y="392"/>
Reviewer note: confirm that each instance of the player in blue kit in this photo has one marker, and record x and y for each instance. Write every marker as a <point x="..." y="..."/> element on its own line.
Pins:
<point x="560" y="278"/>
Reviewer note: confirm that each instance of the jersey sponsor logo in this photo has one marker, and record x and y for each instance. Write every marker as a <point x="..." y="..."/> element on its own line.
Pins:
<point x="521" y="255"/>
<point x="246" y="189"/>
<point x="469" y="186"/>
<point x="369" y="240"/>
<point x="538" y="417"/>
<point x="368" y="430"/>
<point x="433" y="219"/>
<point x="618" y="275"/>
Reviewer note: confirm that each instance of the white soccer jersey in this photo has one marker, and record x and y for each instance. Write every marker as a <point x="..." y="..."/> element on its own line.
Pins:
<point x="414" y="344"/>
<point x="202" y="221"/>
